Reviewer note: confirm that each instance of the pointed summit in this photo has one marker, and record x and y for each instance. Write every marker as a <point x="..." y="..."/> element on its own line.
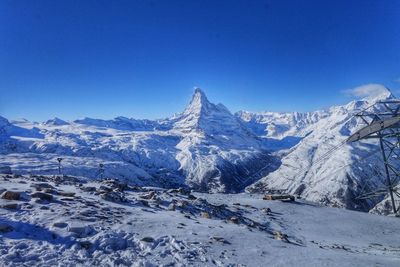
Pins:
<point x="371" y="92"/>
<point x="198" y="104"/>
<point x="56" y="122"/>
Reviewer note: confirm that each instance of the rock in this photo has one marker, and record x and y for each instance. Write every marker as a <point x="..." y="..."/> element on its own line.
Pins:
<point x="180" y="190"/>
<point x="114" y="196"/>
<point x="171" y="207"/>
<point x="5" y="228"/>
<point x="104" y="189"/>
<point x="147" y="239"/>
<point x="50" y="191"/>
<point x="11" y="206"/>
<point x="66" y="194"/>
<point x="115" y="184"/>
<point x="66" y="199"/>
<point x="81" y="231"/>
<point x="150" y="195"/>
<point x="182" y="203"/>
<point x="191" y="197"/>
<point x="85" y="244"/>
<point x="42" y="186"/>
<point x="253" y="224"/>
<point x="234" y="219"/>
<point x="266" y="210"/>
<point x="219" y="239"/>
<point x="205" y="214"/>
<point x="42" y="196"/>
<point x="60" y="224"/>
<point x="281" y="236"/>
<point x="11" y="195"/>
<point x="144" y="203"/>
<point x="88" y="188"/>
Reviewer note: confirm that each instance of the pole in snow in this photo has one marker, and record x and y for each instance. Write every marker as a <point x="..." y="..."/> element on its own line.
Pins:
<point x="59" y="165"/>
<point x="101" y="171"/>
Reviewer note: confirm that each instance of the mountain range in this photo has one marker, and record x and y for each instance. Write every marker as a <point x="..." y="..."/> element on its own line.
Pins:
<point x="209" y="149"/>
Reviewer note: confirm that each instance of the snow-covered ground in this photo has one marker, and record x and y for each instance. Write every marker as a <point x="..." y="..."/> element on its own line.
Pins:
<point x="69" y="221"/>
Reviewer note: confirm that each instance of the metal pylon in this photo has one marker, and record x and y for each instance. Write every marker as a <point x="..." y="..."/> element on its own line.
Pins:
<point x="383" y="123"/>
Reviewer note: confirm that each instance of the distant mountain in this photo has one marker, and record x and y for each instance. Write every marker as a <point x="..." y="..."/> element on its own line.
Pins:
<point x="217" y="152"/>
<point x="205" y="147"/>
<point x="209" y="149"/>
<point x="56" y="122"/>
<point x="341" y="176"/>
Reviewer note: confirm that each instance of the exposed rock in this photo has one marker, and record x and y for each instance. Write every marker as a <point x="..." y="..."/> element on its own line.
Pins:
<point x="171" y="207"/>
<point x="50" y="191"/>
<point x="85" y="244"/>
<point x="42" y="186"/>
<point x="88" y="188"/>
<point x="266" y="210"/>
<point x="114" y="196"/>
<point x="60" y="224"/>
<point x="147" y="239"/>
<point x="219" y="239"/>
<point x="149" y="195"/>
<point x="205" y="214"/>
<point x="104" y="189"/>
<point x="182" y="203"/>
<point x="11" y="195"/>
<point x="11" y="206"/>
<point x="234" y="219"/>
<point x="180" y="190"/>
<point x="81" y="231"/>
<point x="115" y="184"/>
<point x="5" y="228"/>
<point x="42" y="196"/>
<point x="66" y="194"/>
<point x="281" y="236"/>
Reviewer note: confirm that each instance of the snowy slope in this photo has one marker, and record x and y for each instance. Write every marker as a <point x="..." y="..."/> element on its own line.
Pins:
<point x="205" y="147"/>
<point x="209" y="149"/>
<point x="217" y="152"/>
<point x="281" y="124"/>
<point x="71" y="221"/>
<point x="336" y="179"/>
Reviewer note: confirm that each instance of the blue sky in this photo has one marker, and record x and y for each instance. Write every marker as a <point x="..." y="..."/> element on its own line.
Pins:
<point x="142" y="58"/>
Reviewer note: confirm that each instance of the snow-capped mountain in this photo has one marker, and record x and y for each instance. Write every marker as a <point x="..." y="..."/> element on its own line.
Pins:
<point x="56" y="122"/>
<point x="281" y="124"/>
<point x="205" y="147"/>
<point x="217" y="151"/>
<point x="209" y="149"/>
<point x="322" y="168"/>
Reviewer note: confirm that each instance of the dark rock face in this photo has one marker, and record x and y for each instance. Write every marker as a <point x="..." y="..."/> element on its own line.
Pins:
<point x="11" y="195"/>
<point x="42" y="196"/>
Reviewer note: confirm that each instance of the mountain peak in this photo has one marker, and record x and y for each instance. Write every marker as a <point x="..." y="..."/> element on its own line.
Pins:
<point x="197" y="90"/>
<point x="198" y="103"/>
<point x="371" y="92"/>
<point x="56" y="122"/>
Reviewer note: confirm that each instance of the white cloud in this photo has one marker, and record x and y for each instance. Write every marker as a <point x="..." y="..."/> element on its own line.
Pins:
<point x="371" y="90"/>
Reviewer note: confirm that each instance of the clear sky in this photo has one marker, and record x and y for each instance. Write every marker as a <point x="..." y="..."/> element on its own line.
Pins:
<point x="140" y="58"/>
